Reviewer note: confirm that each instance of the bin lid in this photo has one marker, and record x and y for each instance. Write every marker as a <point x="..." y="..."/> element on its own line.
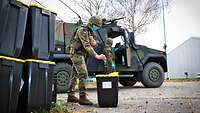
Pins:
<point x="44" y="9"/>
<point x="114" y="74"/>
<point x="21" y="2"/>
<point x="40" y="61"/>
<point x="11" y="58"/>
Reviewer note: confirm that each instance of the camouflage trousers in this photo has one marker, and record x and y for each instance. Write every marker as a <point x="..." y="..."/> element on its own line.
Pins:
<point x="79" y="72"/>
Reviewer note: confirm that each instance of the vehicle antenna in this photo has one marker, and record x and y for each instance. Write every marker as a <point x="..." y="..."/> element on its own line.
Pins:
<point x="70" y="9"/>
<point x="46" y="7"/>
<point x="164" y="27"/>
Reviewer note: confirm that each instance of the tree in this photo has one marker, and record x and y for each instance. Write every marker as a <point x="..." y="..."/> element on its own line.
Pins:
<point x="93" y="7"/>
<point x="138" y="13"/>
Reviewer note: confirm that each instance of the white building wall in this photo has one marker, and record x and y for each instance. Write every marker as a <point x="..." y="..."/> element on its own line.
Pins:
<point x="185" y="58"/>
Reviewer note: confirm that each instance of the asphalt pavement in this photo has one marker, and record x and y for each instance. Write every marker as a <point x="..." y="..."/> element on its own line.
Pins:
<point x="171" y="97"/>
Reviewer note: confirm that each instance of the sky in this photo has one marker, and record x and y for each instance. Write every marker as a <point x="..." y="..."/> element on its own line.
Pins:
<point x="182" y="22"/>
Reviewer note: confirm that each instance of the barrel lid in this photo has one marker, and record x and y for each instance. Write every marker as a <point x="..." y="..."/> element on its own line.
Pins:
<point x="114" y="74"/>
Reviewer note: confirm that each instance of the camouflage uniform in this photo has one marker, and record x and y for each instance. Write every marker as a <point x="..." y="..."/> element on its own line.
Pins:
<point x="109" y="55"/>
<point x="80" y="47"/>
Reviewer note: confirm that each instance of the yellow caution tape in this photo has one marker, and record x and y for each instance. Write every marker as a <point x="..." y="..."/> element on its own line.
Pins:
<point x="27" y="60"/>
<point x="11" y="58"/>
<point x="114" y="74"/>
<point x="40" y="61"/>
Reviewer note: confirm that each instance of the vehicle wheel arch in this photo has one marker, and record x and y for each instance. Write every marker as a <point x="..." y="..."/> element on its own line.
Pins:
<point x="161" y="60"/>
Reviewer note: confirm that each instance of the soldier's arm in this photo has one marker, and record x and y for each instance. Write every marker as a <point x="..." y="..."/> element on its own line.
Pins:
<point x="109" y="55"/>
<point x="93" y="42"/>
<point x="83" y="35"/>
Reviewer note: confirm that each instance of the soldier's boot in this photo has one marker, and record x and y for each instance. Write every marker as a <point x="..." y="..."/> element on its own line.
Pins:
<point x="72" y="98"/>
<point x="83" y="100"/>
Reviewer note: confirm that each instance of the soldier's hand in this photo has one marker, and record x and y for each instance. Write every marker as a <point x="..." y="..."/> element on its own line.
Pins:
<point x="93" y="42"/>
<point x="101" y="57"/>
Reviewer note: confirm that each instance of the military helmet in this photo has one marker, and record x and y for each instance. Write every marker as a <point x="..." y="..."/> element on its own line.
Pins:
<point x="109" y="41"/>
<point x="96" y="20"/>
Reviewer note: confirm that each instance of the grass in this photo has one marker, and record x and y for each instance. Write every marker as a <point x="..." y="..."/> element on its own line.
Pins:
<point x="58" y="107"/>
<point x="183" y="79"/>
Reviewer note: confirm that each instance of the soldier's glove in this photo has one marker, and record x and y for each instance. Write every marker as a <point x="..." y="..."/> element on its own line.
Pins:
<point x="113" y="66"/>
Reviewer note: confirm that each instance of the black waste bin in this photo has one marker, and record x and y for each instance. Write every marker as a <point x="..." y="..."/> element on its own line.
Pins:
<point x="10" y="80"/>
<point x="37" y="90"/>
<point x="13" y="16"/>
<point x="3" y="3"/>
<point x="39" y="42"/>
<point x="107" y="90"/>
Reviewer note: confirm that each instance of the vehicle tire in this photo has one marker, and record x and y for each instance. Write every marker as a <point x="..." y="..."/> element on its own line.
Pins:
<point x="127" y="81"/>
<point x="152" y="75"/>
<point x="62" y="74"/>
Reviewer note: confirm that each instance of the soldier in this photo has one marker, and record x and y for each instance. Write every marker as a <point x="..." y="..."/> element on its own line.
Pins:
<point x="110" y="65"/>
<point x="80" y="46"/>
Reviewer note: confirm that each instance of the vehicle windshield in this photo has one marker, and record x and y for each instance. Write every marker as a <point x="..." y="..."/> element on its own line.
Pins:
<point x="119" y="39"/>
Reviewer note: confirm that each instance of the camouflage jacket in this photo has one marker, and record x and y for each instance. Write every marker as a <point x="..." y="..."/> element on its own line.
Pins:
<point x="80" y="43"/>
<point x="109" y="54"/>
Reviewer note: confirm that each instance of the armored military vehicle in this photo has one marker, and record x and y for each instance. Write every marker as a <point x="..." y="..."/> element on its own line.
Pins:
<point x="133" y="62"/>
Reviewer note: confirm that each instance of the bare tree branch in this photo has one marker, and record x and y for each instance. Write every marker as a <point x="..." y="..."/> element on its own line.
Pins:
<point x="93" y="7"/>
<point x="139" y="13"/>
